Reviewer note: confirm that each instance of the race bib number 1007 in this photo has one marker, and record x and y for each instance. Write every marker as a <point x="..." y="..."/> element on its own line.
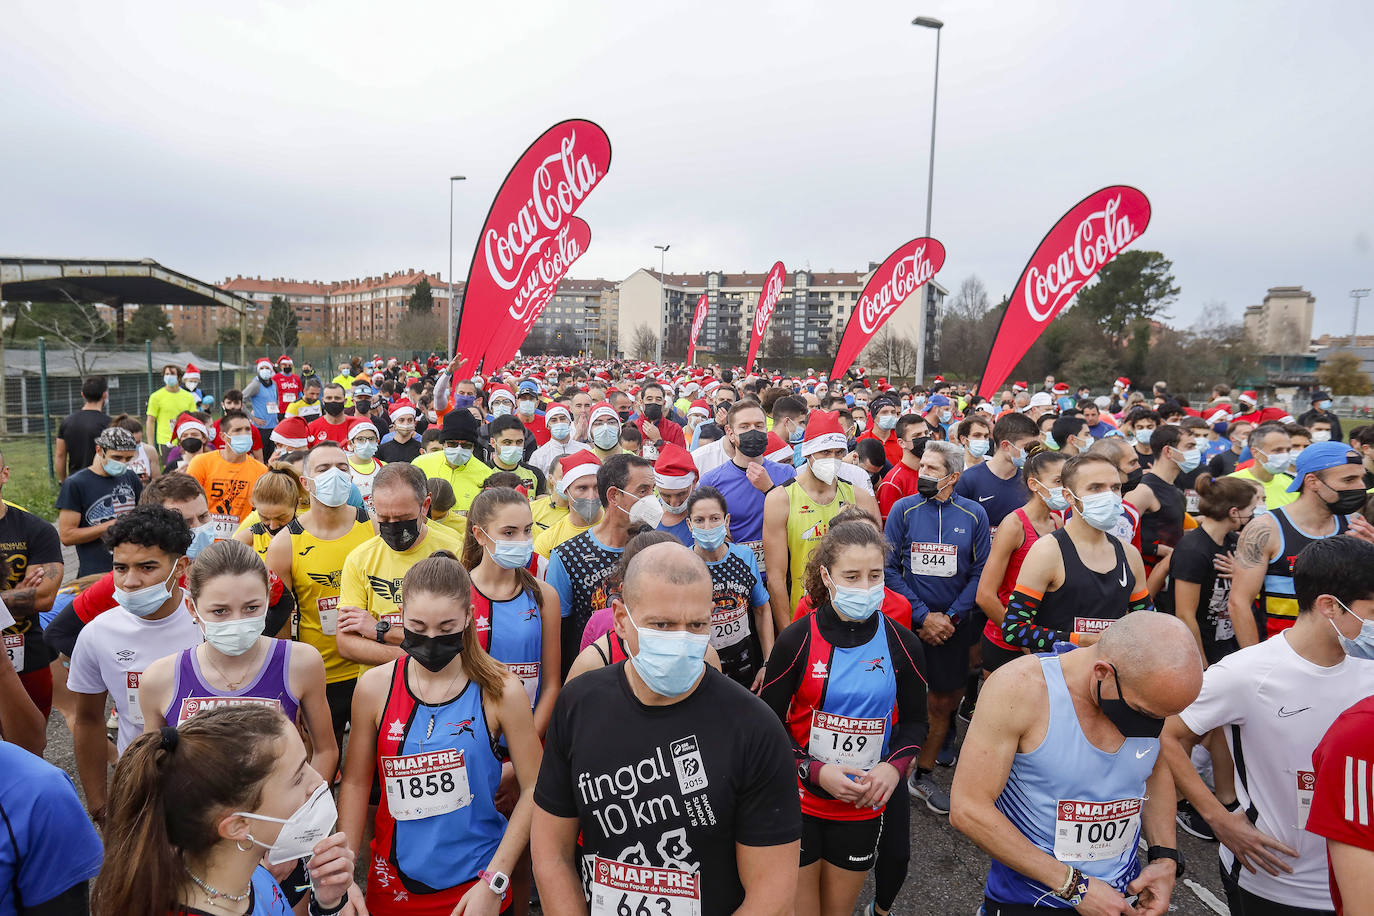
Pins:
<point x="1087" y="831"/>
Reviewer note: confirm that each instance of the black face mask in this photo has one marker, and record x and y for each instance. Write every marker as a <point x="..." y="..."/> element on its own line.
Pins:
<point x="918" y="446"/>
<point x="1130" y="722"/>
<point x="653" y="412"/>
<point x="192" y="445"/>
<point x="753" y="443"/>
<point x="1133" y="479"/>
<point x="1347" y="502"/>
<point x="362" y="405"/>
<point x="927" y="486"/>
<point x="399" y="536"/>
<point x="433" y="652"/>
<point x="624" y="416"/>
<point x="333" y="408"/>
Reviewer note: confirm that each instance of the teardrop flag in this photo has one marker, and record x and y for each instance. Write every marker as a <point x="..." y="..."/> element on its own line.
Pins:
<point x="1094" y="231"/>
<point x="768" y="301"/>
<point x="698" y="319"/>
<point x="904" y="271"/>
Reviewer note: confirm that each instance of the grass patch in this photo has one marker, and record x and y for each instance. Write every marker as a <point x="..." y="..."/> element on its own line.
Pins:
<point x="29" y="485"/>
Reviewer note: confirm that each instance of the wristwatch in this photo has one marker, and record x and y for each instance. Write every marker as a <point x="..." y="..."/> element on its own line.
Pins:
<point x="1166" y="852"/>
<point x="383" y="627"/>
<point x="496" y="880"/>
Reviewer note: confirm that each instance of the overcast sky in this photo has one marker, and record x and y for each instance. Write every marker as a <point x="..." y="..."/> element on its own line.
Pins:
<point x="314" y="140"/>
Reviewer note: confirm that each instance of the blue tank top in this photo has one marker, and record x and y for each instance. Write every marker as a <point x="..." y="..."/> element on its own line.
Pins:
<point x="512" y="633"/>
<point x="266" y="394"/>
<point x="437" y="821"/>
<point x="1078" y="803"/>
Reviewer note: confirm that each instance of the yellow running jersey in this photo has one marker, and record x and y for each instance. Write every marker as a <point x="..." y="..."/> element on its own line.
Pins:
<point x="807" y="522"/>
<point x="316" y="576"/>
<point x="373" y="572"/>
<point x="546" y="514"/>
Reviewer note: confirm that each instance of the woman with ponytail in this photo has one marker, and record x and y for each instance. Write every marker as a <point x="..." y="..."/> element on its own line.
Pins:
<point x="277" y="496"/>
<point x="518" y="619"/>
<point x="427" y="726"/>
<point x="1225" y="506"/>
<point x="193" y="808"/>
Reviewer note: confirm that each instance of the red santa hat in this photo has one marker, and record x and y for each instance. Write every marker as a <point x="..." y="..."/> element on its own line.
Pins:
<point x="1217" y="414"/>
<point x="602" y="409"/>
<point x="1018" y="387"/>
<point x="699" y="407"/>
<point x="823" y="432"/>
<point x="500" y="391"/>
<point x="265" y="362"/>
<point x="1123" y="383"/>
<point x="777" y="450"/>
<point x="1249" y="397"/>
<point x="555" y="411"/>
<point x="674" y="468"/>
<point x="576" y="466"/>
<point x="192" y="370"/>
<point x="402" y="408"/>
<point x="284" y="358"/>
<point x="291" y="433"/>
<point x="1061" y="388"/>
<point x="357" y="429"/>
<point x="187" y="423"/>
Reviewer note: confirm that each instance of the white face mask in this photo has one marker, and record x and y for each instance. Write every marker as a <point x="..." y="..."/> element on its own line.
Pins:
<point x="233" y="637"/>
<point x="301" y="831"/>
<point x="826" y="469"/>
<point x="647" y="510"/>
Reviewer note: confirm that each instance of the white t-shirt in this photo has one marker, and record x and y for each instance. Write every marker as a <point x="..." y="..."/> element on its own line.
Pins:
<point x="709" y="456"/>
<point x="114" y="650"/>
<point x="853" y="474"/>
<point x="1281" y="705"/>
<point x="544" y="456"/>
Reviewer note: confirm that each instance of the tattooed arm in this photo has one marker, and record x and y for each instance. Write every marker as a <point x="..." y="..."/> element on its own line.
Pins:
<point x="1259" y="544"/>
<point x="36" y="592"/>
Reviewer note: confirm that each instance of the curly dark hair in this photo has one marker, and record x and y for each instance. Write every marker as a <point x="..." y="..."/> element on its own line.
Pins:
<point x="151" y="526"/>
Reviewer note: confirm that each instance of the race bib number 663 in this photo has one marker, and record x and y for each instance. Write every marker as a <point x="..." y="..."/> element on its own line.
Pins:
<point x="622" y="889"/>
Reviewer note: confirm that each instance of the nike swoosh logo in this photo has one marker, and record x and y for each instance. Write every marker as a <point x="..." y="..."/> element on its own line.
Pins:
<point x="1285" y="713"/>
<point x="983" y="499"/>
<point x="1123" y="577"/>
<point x="1139" y="754"/>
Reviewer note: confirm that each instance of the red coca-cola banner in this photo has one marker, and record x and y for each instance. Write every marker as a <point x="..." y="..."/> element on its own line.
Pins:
<point x="572" y="240"/>
<point x="698" y="319"/>
<point x="904" y="271"/>
<point x="768" y="300"/>
<point x="1093" y="232"/>
<point x="520" y="246"/>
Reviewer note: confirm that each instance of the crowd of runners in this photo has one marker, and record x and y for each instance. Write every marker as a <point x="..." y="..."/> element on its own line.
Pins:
<point x="622" y="639"/>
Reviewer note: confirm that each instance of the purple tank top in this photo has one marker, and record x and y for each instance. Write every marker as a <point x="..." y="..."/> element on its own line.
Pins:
<point x="272" y="687"/>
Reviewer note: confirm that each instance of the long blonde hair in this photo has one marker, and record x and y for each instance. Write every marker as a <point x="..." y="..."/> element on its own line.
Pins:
<point x="441" y="574"/>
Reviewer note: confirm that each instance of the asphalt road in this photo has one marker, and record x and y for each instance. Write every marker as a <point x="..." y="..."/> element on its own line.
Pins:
<point x="947" y="871"/>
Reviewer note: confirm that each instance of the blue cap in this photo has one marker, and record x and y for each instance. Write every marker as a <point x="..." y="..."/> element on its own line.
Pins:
<point x="1322" y="456"/>
<point x="528" y="384"/>
<point x="938" y="400"/>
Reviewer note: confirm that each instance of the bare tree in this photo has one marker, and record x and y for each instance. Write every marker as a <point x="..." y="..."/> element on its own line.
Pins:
<point x="643" y="342"/>
<point x="894" y="352"/>
<point x="420" y="331"/>
<point x="79" y="328"/>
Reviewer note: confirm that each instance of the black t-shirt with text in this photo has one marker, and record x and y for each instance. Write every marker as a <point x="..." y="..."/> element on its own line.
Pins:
<point x="668" y="789"/>
<point x="98" y="499"/>
<point x="25" y="541"/>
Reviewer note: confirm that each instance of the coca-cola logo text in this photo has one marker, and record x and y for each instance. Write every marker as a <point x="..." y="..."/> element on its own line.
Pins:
<point x="542" y="280"/>
<point x="907" y="274"/>
<point x="768" y="299"/>
<point x="700" y="318"/>
<point x="1098" y="239"/>
<point x="557" y="187"/>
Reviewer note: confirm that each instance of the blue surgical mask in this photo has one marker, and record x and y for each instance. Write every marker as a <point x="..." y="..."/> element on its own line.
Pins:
<point x="710" y="538"/>
<point x="463" y="401"/>
<point x="856" y="604"/>
<point x="1324" y="405"/>
<point x="145" y="601"/>
<point x="115" y="468"/>
<point x="978" y="448"/>
<point x="1142" y="436"/>
<point x="1191" y="459"/>
<point x="1101" y="510"/>
<point x="457" y="457"/>
<point x="887" y="421"/>
<point x="1019" y="460"/>
<point x="669" y="663"/>
<point x="797" y="435"/>
<point x="241" y="444"/>
<point x="946" y="416"/>
<point x="332" y="487"/>
<point x="1055" y="499"/>
<point x="202" y="537"/>
<point x="512" y="554"/>
<point x="1362" y="646"/>
<point x="606" y="437"/>
<point x="511" y="454"/>
<point x="365" y="449"/>
<point x="560" y="431"/>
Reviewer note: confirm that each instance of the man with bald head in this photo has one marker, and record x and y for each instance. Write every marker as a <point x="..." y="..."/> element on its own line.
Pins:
<point x="1061" y="772"/>
<point x="680" y="806"/>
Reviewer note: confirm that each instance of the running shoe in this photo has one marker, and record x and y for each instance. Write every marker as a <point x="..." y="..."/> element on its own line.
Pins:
<point x="948" y="755"/>
<point x="966" y="708"/>
<point x="1193" y="823"/>
<point x="924" y="788"/>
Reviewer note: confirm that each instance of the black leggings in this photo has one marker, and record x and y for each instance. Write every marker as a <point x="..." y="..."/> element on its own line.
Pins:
<point x="894" y="848"/>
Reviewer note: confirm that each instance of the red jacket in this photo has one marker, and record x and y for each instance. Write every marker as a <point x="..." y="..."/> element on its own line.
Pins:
<point x="899" y="482"/>
<point x="669" y="430"/>
<point x="892" y="447"/>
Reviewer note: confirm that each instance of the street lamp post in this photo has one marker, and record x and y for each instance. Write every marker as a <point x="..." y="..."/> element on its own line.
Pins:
<point x="662" y="299"/>
<point x="927" y="22"/>
<point x="1357" y="295"/>
<point x="452" y="325"/>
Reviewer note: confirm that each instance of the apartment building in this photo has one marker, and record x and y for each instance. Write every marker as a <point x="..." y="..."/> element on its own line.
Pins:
<point x="1282" y="324"/>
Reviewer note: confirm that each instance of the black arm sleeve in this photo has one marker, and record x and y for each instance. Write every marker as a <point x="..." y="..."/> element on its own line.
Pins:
<point x="60" y="635"/>
<point x="783" y="671"/>
<point x="278" y="614"/>
<point x="71" y="902"/>
<point x="912" y="724"/>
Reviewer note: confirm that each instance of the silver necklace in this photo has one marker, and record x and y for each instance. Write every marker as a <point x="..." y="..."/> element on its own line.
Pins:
<point x="213" y="893"/>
